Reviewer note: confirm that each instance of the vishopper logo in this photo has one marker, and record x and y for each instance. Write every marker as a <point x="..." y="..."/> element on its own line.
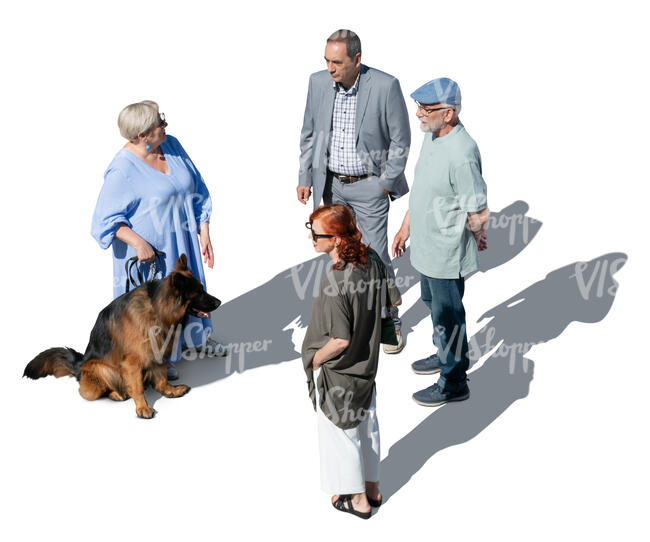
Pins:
<point x="161" y="342"/>
<point x="373" y="159"/>
<point x="380" y="157"/>
<point x="510" y="222"/>
<point x="602" y="270"/>
<point x="240" y="349"/>
<point x="511" y="350"/>
<point x="350" y="286"/>
<point x="314" y="277"/>
<point x="346" y="413"/>
<point x="162" y="212"/>
<point x="161" y="345"/>
<point x="450" y="219"/>
<point x="319" y="268"/>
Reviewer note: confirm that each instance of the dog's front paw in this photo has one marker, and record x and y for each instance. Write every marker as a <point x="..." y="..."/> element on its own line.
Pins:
<point x="177" y="391"/>
<point x="145" y="412"/>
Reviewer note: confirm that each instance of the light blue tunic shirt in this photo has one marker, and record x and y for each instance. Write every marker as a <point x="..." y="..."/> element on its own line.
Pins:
<point x="165" y="210"/>
<point x="448" y="184"/>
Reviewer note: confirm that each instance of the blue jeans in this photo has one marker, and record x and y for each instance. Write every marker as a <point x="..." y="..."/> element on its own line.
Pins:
<point x="444" y="297"/>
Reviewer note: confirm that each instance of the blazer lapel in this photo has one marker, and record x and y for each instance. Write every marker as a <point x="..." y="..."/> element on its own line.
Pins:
<point x="362" y="98"/>
<point x="327" y="106"/>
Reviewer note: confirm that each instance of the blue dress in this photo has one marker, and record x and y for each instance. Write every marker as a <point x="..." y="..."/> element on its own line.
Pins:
<point x="165" y="210"/>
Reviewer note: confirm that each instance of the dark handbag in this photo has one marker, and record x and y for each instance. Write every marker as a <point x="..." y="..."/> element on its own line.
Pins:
<point x="388" y="332"/>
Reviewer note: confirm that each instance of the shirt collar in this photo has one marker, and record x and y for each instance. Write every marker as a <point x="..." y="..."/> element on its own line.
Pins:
<point x="352" y="90"/>
<point x="453" y="132"/>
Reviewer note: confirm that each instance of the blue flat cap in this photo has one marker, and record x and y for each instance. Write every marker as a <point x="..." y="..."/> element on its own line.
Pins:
<point x="442" y="90"/>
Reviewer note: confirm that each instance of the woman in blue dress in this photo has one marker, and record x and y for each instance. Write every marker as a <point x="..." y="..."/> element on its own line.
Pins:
<point x="153" y="197"/>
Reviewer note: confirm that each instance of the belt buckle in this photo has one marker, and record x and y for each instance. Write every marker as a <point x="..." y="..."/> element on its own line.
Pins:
<point x="345" y="179"/>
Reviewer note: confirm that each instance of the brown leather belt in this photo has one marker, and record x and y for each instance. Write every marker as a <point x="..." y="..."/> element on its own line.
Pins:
<point x="347" y="179"/>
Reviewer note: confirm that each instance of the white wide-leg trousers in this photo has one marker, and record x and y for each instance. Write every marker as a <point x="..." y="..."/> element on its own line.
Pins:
<point x="348" y="457"/>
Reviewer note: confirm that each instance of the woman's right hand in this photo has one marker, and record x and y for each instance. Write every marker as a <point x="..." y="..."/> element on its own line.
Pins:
<point x="144" y="251"/>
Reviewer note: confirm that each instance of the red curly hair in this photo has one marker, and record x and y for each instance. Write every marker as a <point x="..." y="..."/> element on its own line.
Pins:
<point x="338" y="220"/>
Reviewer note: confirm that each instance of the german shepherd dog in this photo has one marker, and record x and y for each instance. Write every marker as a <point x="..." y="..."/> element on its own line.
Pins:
<point x="131" y="341"/>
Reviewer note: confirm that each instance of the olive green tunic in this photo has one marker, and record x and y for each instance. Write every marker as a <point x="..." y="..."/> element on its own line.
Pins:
<point x="348" y="306"/>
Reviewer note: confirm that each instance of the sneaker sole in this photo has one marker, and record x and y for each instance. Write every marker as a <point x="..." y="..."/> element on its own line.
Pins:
<point x="442" y="402"/>
<point x="434" y="371"/>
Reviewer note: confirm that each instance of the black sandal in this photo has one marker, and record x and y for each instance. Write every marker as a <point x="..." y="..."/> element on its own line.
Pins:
<point x="343" y="500"/>
<point x="374" y="503"/>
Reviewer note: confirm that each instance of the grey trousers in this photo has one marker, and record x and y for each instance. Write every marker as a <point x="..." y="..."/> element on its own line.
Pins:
<point x="369" y="205"/>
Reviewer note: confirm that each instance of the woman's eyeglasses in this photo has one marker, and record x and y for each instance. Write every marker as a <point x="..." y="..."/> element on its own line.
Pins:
<point x="316" y="236"/>
<point x="162" y="123"/>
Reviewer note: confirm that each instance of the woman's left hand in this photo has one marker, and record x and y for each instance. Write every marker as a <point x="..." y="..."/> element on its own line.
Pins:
<point x="316" y="361"/>
<point x="206" y="245"/>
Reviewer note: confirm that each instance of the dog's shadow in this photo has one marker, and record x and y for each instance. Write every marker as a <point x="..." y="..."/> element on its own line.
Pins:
<point x="579" y="292"/>
<point x="258" y="325"/>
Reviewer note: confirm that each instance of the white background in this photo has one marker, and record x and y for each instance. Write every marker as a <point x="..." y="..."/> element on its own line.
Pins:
<point x="555" y="94"/>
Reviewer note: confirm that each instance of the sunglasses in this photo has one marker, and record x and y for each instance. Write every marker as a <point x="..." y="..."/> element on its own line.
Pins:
<point x="316" y="236"/>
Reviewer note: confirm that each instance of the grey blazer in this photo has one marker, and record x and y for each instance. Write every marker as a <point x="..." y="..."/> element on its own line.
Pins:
<point x="382" y="130"/>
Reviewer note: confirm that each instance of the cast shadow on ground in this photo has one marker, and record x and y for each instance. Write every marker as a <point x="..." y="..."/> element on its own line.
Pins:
<point x="579" y="292"/>
<point x="264" y="316"/>
<point x="509" y="233"/>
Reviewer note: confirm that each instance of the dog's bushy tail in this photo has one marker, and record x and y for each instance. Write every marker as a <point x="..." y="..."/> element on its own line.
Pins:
<point x="55" y="361"/>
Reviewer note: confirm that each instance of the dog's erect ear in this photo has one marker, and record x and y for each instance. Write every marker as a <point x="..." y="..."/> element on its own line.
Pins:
<point x="181" y="263"/>
<point x="179" y="280"/>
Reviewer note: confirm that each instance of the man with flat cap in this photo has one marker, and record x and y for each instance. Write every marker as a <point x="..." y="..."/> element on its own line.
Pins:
<point x="446" y="221"/>
<point x="354" y="144"/>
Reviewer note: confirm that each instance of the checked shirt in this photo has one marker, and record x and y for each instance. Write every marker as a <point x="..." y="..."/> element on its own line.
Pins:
<point x="343" y="157"/>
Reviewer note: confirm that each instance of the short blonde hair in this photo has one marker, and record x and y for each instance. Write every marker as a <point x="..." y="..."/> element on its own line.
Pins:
<point x="137" y="118"/>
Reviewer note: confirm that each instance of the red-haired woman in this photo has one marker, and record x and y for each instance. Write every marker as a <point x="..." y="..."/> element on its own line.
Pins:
<point x="342" y="344"/>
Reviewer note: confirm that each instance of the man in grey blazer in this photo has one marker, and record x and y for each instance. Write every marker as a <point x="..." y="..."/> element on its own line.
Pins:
<point x="354" y="143"/>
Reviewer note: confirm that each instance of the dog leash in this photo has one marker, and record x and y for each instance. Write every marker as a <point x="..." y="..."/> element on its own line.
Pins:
<point x="133" y="262"/>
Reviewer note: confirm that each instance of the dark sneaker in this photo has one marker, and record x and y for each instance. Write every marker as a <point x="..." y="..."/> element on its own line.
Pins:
<point x="435" y="395"/>
<point x="426" y="366"/>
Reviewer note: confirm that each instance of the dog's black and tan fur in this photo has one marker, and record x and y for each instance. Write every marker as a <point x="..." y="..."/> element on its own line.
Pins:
<point x="123" y="356"/>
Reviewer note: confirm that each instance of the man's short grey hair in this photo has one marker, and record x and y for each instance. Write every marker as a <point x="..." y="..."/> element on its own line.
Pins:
<point x="457" y="109"/>
<point x="137" y="118"/>
<point x="351" y="40"/>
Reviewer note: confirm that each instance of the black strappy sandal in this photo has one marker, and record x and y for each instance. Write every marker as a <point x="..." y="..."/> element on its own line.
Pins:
<point x="343" y="500"/>
<point x="373" y="502"/>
